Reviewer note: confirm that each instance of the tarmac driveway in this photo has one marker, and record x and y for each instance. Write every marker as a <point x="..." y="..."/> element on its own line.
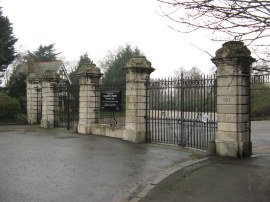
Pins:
<point x="57" y="165"/>
<point x="260" y="137"/>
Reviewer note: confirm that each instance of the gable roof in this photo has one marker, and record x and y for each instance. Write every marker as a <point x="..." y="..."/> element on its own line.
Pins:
<point x="40" y="67"/>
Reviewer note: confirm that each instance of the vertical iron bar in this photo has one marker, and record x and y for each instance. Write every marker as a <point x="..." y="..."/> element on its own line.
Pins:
<point x="171" y="118"/>
<point x="68" y="103"/>
<point x="182" y="108"/>
<point x="204" y="112"/>
<point x="164" y="110"/>
<point x="174" y="109"/>
<point x="159" y="121"/>
<point x="146" y="113"/>
<point x="215" y="103"/>
<point x="37" y="103"/>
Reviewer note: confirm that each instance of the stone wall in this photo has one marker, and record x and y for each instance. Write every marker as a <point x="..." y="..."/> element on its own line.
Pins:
<point x="137" y="70"/>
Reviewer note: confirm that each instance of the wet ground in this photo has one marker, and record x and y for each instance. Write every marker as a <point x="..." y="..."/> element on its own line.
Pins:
<point x="57" y="165"/>
<point x="221" y="178"/>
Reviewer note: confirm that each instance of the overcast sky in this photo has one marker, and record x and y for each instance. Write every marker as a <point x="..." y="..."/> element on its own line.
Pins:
<point x="96" y="26"/>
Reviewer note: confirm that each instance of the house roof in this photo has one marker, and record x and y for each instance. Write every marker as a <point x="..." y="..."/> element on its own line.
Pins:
<point x="40" y="67"/>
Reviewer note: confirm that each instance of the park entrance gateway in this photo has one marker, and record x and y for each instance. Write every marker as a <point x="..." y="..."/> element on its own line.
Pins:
<point x="182" y="111"/>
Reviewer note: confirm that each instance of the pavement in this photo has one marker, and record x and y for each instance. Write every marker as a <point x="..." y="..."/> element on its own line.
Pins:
<point x="216" y="179"/>
<point x="56" y="165"/>
<point x="219" y="178"/>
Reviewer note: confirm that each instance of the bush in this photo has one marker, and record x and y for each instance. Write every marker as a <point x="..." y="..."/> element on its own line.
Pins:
<point x="9" y="107"/>
<point x="260" y="105"/>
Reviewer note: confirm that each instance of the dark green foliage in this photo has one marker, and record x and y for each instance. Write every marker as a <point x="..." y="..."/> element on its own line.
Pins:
<point x="43" y="54"/>
<point x="17" y="81"/>
<point x="84" y="59"/>
<point x="17" y="84"/>
<point x="260" y="100"/>
<point x="17" y="89"/>
<point x="7" y="41"/>
<point x="115" y="74"/>
<point x="9" y="107"/>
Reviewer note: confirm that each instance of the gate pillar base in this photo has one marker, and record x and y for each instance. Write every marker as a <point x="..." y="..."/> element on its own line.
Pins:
<point x="30" y="121"/>
<point x="133" y="136"/>
<point x="75" y="128"/>
<point x="211" y="151"/>
<point x="233" y="149"/>
<point x="84" y="129"/>
<point x="47" y="123"/>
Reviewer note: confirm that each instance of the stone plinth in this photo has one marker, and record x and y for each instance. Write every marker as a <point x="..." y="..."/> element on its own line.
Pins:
<point x="89" y="76"/>
<point x="233" y="63"/>
<point x="137" y="70"/>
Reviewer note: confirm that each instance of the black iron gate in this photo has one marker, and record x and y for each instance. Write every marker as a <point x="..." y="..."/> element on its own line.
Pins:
<point x="181" y="111"/>
<point x="66" y="112"/>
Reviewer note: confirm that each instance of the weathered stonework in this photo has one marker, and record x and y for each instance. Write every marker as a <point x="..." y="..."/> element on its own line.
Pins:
<point x="233" y="63"/>
<point x="89" y="76"/>
<point x="137" y="70"/>
<point x="33" y="84"/>
<point x="49" y="79"/>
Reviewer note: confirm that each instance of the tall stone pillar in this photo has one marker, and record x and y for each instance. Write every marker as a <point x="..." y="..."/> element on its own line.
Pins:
<point x="137" y="70"/>
<point x="33" y="95"/>
<point x="89" y="76"/>
<point x="233" y="63"/>
<point x="49" y="101"/>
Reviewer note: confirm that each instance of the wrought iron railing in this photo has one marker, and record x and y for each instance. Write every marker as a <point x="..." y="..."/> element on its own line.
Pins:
<point x="66" y="113"/>
<point x="182" y="111"/>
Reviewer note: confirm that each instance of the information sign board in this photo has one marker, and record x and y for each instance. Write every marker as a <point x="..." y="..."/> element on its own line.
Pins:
<point x="110" y="100"/>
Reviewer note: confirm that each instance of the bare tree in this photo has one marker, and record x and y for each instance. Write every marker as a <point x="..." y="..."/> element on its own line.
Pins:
<point x="194" y="72"/>
<point x="243" y="20"/>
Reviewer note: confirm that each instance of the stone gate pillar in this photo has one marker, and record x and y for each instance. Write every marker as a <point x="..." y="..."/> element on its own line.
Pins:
<point x="233" y="63"/>
<point x="89" y="76"/>
<point x="137" y="70"/>
<point x="49" y="101"/>
<point x="33" y="94"/>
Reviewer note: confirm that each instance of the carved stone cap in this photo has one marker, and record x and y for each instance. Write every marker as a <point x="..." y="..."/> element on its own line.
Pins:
<point x="139" y="62"/>
<point x="89" y="69"/>
<point x="33" y="77"/>
<point x="50" y="75"/>
<point x="232" y="50"/>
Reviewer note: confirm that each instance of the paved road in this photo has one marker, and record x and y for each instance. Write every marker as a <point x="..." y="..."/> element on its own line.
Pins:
<point x="260" y="134"/>
<point x="56" y="165"/>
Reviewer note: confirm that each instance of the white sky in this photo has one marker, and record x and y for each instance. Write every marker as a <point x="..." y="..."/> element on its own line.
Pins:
<point x="95" y="27"/>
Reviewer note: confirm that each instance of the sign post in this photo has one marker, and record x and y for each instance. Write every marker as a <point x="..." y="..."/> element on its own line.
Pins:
<point x="110" y="101"/>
